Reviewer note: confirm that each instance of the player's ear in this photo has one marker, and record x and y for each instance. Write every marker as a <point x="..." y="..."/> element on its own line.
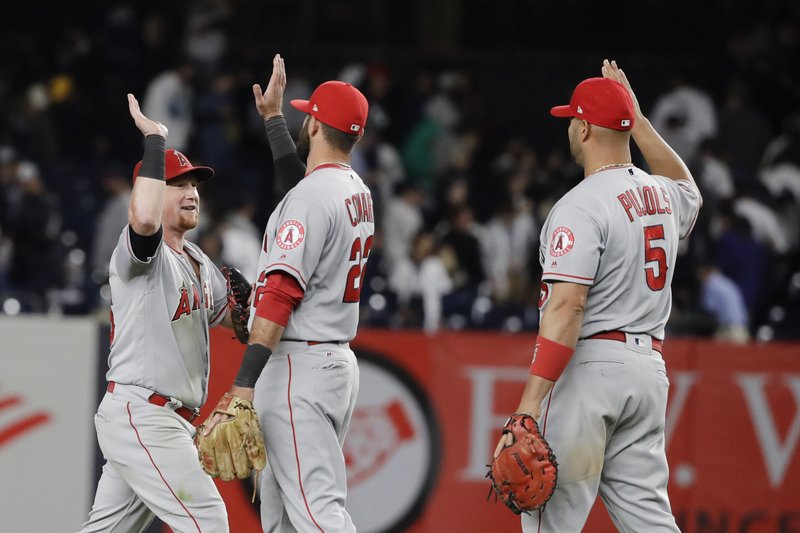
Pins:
<point x="313" y="126"/>
<point x="586" y="130"/>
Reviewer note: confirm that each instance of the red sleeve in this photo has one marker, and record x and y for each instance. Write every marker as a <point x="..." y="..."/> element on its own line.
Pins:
<point x="281" y="296"/>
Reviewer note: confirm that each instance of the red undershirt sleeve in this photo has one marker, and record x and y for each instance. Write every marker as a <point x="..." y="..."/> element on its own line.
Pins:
<point x="281" y="296"/>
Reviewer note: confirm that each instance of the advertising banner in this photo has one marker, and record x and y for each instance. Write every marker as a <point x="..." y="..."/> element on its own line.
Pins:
<point x="430" y="409"/>
<point x="47" y="442"/>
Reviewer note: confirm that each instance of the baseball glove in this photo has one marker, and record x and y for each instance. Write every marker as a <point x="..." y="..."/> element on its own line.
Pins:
<point x="238" y="294"/>
<point x="524" y="475"/>
<point x="234" y="446"/>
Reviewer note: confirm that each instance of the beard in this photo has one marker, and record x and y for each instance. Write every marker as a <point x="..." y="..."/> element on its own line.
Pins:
<point x="188" y="221"/>
<point x="575" y="151"/>
<point x="303" y="143"/>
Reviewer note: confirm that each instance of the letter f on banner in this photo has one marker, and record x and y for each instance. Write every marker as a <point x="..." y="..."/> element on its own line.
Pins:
<point x="777" y="454"/>
<point x="485" y="424"/>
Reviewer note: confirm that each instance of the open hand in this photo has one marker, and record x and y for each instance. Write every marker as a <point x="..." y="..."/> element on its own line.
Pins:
<point x="270" y="102"/>
<point x="610" y="70"/>
<point x="145" y="125"/>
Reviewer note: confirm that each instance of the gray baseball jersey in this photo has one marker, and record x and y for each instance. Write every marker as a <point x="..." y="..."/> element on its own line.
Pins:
<point x="618" y="232"/>
<point x="321" y="234"/>
<point x="160" y="316"/>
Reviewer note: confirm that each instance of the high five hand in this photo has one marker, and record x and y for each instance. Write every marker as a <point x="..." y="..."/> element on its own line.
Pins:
<point x="145" y="125"/>
<point x="270" y="102"/>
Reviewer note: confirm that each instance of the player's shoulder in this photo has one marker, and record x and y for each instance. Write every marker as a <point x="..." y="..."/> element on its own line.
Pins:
<point x="321" y="184"/>
<point x="585" y="195"/>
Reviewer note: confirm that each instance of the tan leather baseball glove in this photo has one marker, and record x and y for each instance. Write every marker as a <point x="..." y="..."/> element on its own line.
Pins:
<point x="234" y="446"/>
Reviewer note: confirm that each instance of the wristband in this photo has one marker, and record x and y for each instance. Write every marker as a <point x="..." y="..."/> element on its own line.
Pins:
<point x="280" y="142"/>
<point x="550" y="359"/>
<point x="255" y="357"/>
<point x="153" y="159"/>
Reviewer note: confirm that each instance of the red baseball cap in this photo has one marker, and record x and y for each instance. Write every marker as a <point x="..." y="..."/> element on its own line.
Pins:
<point x="337" y="104"/>
<point x="600" y="101"/>
<point x="177" y="164"/>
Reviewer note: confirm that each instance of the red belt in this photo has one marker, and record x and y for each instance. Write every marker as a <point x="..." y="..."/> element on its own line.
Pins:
<point x="314" y="343"/>
<point x="161" y="400"/>
<point x="622" y="337"/>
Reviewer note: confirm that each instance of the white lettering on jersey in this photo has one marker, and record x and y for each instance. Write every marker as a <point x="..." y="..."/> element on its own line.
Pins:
<point x="645" y="201"/>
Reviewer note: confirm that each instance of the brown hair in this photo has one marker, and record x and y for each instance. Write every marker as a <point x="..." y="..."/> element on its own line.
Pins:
<point x="344" y="142"/>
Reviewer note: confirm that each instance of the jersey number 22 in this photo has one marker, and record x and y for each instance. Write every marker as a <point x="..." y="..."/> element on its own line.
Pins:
<point x="355" y="276"/>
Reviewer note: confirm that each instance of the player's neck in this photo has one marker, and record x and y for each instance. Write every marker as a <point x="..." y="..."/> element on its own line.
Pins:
<point x="609" y="158"/>
<point x="174" y="240"/>
<point x="321" y="155"/>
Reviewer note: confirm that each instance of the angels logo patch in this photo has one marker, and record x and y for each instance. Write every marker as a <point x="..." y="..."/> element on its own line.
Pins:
<point x="290" y="235"/>
<point x="561" y="242"/>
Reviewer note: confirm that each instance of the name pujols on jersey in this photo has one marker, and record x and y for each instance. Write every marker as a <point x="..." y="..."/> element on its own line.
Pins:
<point x="645" y="200"/>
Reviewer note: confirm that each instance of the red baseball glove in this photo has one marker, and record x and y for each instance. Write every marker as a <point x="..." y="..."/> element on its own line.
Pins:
<point x="525" y="472"/>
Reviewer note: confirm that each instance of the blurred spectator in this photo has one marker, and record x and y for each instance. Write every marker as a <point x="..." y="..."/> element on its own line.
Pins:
<point x="379" y="164"/>
<point x="168" y="99"/>
<point x="743" y="133"/>
<point x="402" y="220"/>
<point x="714" y="177"/>
<point x="785" y="148"/>
<point x="461" y="236"/>
<point x="783" y="177"/>
<point x="34" y="232"/>
<point x="241" y="240"/>
<point x="207" y="36"/>
<point x="110" y="221"/>
<point x="423" y="278"/>
<point x="427" y="151"/>
<point x="685" y="117"/>
<point x="721" y="297"/>
<point x="744" y="260"/>
<point x="764" y="223"/>
<point x="217" y="125"/>
<point x="507" y="241"/>
<point x="33" y="128"/>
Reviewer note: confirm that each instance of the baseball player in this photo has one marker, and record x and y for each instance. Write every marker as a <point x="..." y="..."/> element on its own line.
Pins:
<point x="165" y="295"/>
<point x="597" y="384"/>
<point x="298" y="365"/>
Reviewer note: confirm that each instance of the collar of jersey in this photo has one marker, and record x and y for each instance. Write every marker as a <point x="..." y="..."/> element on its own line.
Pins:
<point x="330" y="165"/>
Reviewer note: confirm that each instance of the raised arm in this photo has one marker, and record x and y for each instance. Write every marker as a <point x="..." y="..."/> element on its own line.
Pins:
<point x="661" y="159"/>
<point x="289" y="170"/>
<point x="147" y="199"/>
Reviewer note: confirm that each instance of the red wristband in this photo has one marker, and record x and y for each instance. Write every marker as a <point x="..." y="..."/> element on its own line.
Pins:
<point x="550" y="358"/>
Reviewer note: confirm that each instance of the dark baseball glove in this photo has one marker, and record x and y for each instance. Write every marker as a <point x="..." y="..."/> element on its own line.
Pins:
<point x="235" y="446"/>
<point x="238" y="294"/>
<point x="524" y="475"/>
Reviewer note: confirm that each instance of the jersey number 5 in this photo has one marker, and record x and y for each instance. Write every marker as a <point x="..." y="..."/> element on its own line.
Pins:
<point x="355" y="276"/>
<point x="655" y="281"/>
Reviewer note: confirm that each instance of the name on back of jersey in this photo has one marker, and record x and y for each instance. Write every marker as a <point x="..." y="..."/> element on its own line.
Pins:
<point x="646" y="200"/>
<point x="359" y="208"/>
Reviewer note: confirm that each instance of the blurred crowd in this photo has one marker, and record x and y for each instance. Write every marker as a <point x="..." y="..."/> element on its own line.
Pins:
<point x="463" y="169"/>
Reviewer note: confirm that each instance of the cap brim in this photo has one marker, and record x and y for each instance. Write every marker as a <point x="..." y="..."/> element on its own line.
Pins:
<point x="302" y="105"/>
<point x="201" y="173"/>
<point x="562" y="111"/>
